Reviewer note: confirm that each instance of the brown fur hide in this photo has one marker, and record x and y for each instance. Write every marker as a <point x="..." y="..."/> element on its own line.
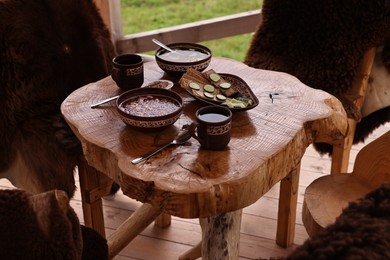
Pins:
<point x="94" y="245"/>
<point x="322" y="43"/>
<point x="48" y="48"/>
<point x="35" y="227"/>
<point x="362" y="231"/>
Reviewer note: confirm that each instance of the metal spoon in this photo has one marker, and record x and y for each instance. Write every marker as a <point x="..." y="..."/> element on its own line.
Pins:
<point x="161" y="83"/>
<point x="104" y="101"/>
<point x="167" y="48"/>
<point x="162" y="45"/>
<point x="181" y="138"/>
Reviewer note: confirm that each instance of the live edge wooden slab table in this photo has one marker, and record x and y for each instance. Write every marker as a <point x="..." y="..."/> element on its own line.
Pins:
<point x="266" y="147"/>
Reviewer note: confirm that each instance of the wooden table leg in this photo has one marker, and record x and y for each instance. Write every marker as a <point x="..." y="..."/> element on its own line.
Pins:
<point x="287" y="208"/>
<point x="163" y="221"/>
<point x="221" y="235"/>
<point x="93" y="186"/>
<point x="132" y="227"/>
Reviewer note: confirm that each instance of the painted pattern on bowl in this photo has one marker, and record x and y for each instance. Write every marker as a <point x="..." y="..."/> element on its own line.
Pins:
<point x="178" y="68"/>
<point x="149" y="123"/>
<point x="182" y="68"/>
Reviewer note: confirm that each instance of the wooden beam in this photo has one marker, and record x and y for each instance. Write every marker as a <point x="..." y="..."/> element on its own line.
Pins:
<point x="205" y="30"/>
<point x="110" y="11"/>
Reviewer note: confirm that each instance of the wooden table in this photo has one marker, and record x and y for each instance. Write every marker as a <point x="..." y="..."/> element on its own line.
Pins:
<point x="266" y="147"/>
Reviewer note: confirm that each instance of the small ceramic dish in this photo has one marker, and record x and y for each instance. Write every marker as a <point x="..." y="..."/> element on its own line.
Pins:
<point x="161" y="83"/>
<point x="186" y="55"/>
<point x="149" y="109"/>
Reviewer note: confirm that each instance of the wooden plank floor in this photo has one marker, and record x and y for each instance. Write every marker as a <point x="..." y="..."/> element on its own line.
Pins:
<point x="258" y="227"/>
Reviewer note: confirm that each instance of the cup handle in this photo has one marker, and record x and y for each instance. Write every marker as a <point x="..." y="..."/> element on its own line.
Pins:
<point x="192" y="130"/>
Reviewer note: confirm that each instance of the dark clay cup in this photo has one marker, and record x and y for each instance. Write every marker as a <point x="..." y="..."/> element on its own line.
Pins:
<point x="128" y="71"/>
<point x="212" y="127"/>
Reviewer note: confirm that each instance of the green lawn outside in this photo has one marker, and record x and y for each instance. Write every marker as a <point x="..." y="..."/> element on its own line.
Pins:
<point x="146" y="15"/>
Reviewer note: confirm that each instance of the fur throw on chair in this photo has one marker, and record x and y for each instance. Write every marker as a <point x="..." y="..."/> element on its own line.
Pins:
<point x="362" y="231"/>
<point x="48" y="48"/>
<point x="322" y="43"/>
<point x="95" y="247"/>
<point x="44" y="226"/>
<point x="36" y="227"/>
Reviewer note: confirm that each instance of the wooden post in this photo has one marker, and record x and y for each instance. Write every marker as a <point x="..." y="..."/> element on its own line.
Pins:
<point x="221" y="235"/>
<point x="110" y="11"/>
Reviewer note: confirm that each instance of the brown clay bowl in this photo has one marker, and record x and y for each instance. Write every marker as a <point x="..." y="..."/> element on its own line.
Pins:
<point x="149" y="109"/>
<point x="187" y="55"/>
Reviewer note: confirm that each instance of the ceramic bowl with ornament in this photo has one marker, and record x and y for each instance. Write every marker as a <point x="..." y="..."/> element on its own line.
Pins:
<point x="185" y="55"/>
<point x="149" y="109"/>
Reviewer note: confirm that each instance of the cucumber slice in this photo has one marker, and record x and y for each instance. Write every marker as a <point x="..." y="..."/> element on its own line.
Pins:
<point x="194" y="85"/>
<point x="225" y="85"/>
<point x="214" y="77"/>
<point x="208" y="95"/>
<point x="221" y="97"/>
<point x="209" y="88"/>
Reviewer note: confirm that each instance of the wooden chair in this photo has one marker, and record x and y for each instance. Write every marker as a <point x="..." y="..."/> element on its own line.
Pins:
<point x="325" y="197"/>
<point x="342" y="148"/>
